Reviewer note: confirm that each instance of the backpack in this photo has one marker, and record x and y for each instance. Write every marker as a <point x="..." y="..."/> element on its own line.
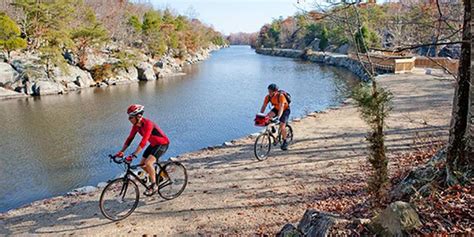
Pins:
<point x="286" y="94"/>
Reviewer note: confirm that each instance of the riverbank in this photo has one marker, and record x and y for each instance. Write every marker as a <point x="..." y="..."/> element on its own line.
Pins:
<point x="24" y="77"/>
<point x="327" y="58"/>
<point x="229" y="192"/>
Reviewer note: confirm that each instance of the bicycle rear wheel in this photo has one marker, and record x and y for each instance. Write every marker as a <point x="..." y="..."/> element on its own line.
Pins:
<point x="174" y="179"/>
<point x="119" y="199"/>
<point x="262" y="146"/>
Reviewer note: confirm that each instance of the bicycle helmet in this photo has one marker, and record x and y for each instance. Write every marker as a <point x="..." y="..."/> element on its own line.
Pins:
<point x="273" y="87"/>
<point x="135" y="109"/>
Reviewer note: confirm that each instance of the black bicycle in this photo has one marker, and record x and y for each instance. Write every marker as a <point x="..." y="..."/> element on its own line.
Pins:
<point x="271" y="136"/>
<point x="120" y="197"/>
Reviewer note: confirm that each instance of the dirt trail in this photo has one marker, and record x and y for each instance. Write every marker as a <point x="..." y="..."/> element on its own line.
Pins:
<point x="229" y="192"/>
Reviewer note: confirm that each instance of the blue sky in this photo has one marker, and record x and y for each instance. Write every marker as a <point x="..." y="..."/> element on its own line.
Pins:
<point x="229" y="16"/>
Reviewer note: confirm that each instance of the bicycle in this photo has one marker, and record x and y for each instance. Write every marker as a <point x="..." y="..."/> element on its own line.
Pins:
<point x="265" y="140"/>
<point x="120" y="196"/>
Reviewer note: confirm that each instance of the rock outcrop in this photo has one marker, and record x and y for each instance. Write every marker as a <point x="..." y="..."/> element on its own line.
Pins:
<point x="26" y="75"/>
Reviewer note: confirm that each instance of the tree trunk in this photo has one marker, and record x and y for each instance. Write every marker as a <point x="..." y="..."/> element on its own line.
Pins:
<point x="457" y="158"/>
<point x="470" y="130"/>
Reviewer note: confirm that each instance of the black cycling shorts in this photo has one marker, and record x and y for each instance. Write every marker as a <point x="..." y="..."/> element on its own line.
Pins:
<point x="157" y="151"/>
<point x="284" y="117"/>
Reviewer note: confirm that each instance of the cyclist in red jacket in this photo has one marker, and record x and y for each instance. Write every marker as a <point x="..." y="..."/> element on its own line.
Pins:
<point x="151" y="133"/>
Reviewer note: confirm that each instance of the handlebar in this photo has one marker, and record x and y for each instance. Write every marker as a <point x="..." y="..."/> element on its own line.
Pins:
<point x="119" y="161"/>
<point x="115" y="160"/>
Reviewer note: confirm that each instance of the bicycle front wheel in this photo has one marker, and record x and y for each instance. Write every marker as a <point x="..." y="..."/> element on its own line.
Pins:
<point x="262" y="146"/>
<point x="119" y="199"/>
<point x="174" y="179"/>
<point x="289" y="133"/>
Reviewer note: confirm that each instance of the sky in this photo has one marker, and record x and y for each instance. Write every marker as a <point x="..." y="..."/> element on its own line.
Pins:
<point x="231" y="16"/>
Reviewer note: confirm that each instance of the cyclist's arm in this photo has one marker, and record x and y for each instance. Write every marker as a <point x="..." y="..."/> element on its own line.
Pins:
<point x="264" y="106"/>
<point x="130" y="138"/>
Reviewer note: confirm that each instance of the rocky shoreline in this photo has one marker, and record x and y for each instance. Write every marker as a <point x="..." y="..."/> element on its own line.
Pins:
<point x="24" y="76"/>
<point x="327" y="58"/>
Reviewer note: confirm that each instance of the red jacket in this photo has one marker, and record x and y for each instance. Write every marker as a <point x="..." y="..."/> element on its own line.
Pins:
<point x="150" y="132"/>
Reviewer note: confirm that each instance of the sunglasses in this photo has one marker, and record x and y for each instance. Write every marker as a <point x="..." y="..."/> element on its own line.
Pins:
<point x="130" y="117"/>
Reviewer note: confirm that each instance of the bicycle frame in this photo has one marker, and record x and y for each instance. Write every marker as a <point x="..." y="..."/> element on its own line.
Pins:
<point x="269" y="131"/>
<point x="129" y="173"/>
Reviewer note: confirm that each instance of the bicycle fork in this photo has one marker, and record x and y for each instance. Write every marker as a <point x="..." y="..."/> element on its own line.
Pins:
<point x="123" y="191"/>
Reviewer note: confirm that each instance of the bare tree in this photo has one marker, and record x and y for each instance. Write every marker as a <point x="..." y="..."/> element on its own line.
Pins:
<point x="458" y="152"/>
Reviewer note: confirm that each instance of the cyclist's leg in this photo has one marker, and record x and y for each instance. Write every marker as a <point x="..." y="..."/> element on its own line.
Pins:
<point x="150" y="168"/>
<point x="283" y="120"/>
<point x="148" y="160"/>
<point x="159" y="153"/>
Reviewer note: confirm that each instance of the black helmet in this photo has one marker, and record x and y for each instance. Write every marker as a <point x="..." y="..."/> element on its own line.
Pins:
<point x="273" y="87"/>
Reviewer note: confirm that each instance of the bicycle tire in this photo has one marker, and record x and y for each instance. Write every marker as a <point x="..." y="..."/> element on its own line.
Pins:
<point x="123" y="186"/>
<point x="289" y="134"/>
<point x="259" y="147"/>
<point x="174" y="186"/>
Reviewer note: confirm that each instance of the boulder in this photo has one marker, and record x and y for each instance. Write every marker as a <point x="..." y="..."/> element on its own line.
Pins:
<point x="316" y="223"/>
<point x="396" y="220"/>
<point x="24" y="62"/>
<point x="126" y="74"/>
<point x="73" y="75"/>
<point x="94" y="59"/>
<point x="47" y="88"/>
<point x="7" y="94"/>
<point x="146" y="72"/>
<point x="7" y="74"/>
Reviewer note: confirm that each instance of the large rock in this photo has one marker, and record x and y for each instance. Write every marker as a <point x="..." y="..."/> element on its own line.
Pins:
<point x="8" y="75"/>
<point x="47" y="88"/>
<point x="7" y="94"/>
<point x="317" y="223"/>
<point x="126" y="75"/>
<point x="146" y="72"/>
<point x="94" y="59"/>
<point x="396" y="220"/>
<point x="74" y="76"/>
<point x="21" y="63"/>
<point x="30" y="70"/>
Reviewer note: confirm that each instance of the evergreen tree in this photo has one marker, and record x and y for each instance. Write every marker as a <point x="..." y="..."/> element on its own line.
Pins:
<point x="89" y="35"/>
<point x="324" y="42"/>
<point x="10" y="39"/>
